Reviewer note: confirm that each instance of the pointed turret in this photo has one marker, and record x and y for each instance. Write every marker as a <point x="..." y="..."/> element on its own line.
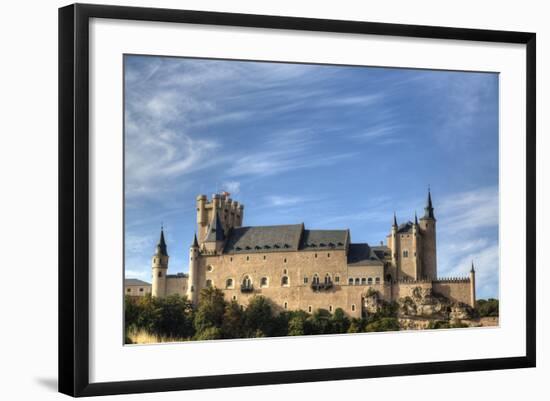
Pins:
<point x="394" y="220"/>
<point x="473" y="286"/>
<point x="195" y="243"/>
<point x="161" y="246"/>
<point x="429" y="210"/>
<point x="472" y="270"/>
<point x="215" y="230"/>
<point x="415" y="218"/>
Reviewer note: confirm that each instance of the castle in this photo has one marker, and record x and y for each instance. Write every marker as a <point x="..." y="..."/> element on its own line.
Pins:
<point x="298" y="268"/>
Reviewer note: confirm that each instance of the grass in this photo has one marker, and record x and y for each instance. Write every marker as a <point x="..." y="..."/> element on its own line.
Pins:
<point x="144" y="337"/>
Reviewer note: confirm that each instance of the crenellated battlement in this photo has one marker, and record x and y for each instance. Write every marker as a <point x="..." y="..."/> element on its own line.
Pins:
<point x="452" y="280"/>
<point x="230" y="212"/>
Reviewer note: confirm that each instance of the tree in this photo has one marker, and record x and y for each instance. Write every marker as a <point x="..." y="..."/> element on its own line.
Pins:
<point x="383" y="324"/>
<point x="355" y="326"/>
<point x="258" y="317"/>
<point x="211" y="309"/>
<point x="487" y="308"/>
<point x="173" y="316"/>
<point x="233" y="321"/>
<point x="340" y="323"/>
<point x="321" y="322"/>
<point x="208" y="333"/>
<point x="298" y="324"/>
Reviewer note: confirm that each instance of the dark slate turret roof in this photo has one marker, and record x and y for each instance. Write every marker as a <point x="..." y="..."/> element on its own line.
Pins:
<point x="195" y="242"/>
<point x="215" y="230"/>
<point x="362" y="255"/>
<point x="264" y="239"/>
<point x="161" y="246"/>
<point x="405" y="227"/>
<point x="429" y="210"/>
<point x="324" y="239"/>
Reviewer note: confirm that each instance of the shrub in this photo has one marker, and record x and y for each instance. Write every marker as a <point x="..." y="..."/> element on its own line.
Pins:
<point x="383" y="324"/>
<point x="487" y="308"/>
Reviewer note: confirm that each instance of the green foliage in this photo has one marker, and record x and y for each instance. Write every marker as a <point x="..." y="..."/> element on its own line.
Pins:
<point x="371" y="292"/>
<point x="355" y="326"/>
<point x="487" y="307"/>
<point x="299" y="324"/>
<point x="233" y="321"/>
<point x="383" y="324"/>
<point x="321" y="322"/>
<point x="445" y="324"/>
<point x="208" y="333"/>
<point x="258" y="317"/>
<point x="340" y="322"/>
<point x="211" y="309"/>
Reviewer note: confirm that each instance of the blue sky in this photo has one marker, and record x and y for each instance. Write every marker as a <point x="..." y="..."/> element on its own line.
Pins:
<point x="330" y="146"/>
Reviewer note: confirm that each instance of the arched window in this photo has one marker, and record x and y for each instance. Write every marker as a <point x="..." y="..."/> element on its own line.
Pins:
<point x="370" y="280"/>
<point x="350" y="281"/>
<point x="315" y="279"/>
<point x="305" y="279"/>
<point x="284" y="281"/>
<point x="353" y="308"/>
<point x="363" y="281"/>
<point x="330" y="308"/>
<point x="377" y="280"/>
<point x="405" y="253"/>
<point x="328" y="280"/>
<point x="247" y="283"/>
<point x="208" y="283"/>
<point x="160" y="274"/>
<point x="229" y="283"/>
<point x="263" y="282"/>
<point x="357" y="281"/>
<point x="285" y="305"/>
<point x="336" y="279"/>
<point x="309" y="308"/>
<point x="209" y="268"/>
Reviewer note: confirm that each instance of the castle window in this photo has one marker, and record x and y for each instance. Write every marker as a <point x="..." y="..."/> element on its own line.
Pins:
<point x="263" y="282"/>
<point x="141" y="290"/>
<point x="356" y="281"/>
<point x="231" y="259"/>
<point x="208" y="283"/>
<point x="414" y="253"/>
<point x="315" y="279"/>
<point x="405" y="253"/>
<point x="284" y="281"/>
<point x="328" y="255"/>
<point x="370" y="281"/>
<point x="353" y="308"/>
<point x="377" y="280"/>
<point x="264" y="257"/>
<point x="284" y="261"/>
<point x="129" y="290"/>
<point x="309" y="308"/>
<point x="315" y="255"/>
<point x="363" y="281"/>
<point x="285" y="305"/>
<point x="229" y="283"/>
<point x="284" y="271"/>
<point x="160" y="274"/>
<point x="234" y="298"/>
<point x="209" y="268"/>
<point x="247" y="283"/>
<point x="305" y="280"/>
<point x="327" y="279"/>
<point x="350" y="281"/>
<point x="330" y="308"/>
<point x="336" y="279"/>
<point x="248" y="258"/>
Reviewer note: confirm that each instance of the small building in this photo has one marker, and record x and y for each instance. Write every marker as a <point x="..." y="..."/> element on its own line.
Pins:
<point x="136" y="288"/>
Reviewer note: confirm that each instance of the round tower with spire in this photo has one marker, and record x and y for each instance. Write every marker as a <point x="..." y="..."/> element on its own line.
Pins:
<point x="428" y="243"/>
<point x="192" y="287"/>
<point x="473" y="286"/>
<point x="160" y="267"/>
<point x="393" y="245"/>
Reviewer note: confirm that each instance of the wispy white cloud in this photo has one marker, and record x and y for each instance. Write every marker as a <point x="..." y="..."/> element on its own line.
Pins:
<point x="233" y="187"/>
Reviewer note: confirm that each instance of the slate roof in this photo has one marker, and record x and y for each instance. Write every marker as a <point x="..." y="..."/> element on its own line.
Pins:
<point x="405" y="227"/>
<point x="135" y="281"/>
<point x="161" y="246"/>
<point x="215" y="230"/>
<point x="324" y="239"/>
<point x="264" y="239"/>
<point x="362" y="255"/>
<point x="177" y="275"/>
<point x="381" y="251"/>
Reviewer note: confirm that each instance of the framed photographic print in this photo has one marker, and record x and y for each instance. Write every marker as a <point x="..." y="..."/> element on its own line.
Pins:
<point x="296" y="199"/>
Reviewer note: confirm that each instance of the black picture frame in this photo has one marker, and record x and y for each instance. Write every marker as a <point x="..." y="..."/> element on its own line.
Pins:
<point x="74" y="198"/>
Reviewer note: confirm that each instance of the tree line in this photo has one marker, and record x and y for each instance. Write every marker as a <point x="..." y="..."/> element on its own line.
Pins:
<point x="216" y="318"/>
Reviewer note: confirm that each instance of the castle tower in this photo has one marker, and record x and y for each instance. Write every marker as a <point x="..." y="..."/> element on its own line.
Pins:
<point x="192" y="288"/>
<point x="160" y="267"/>
<point x="230" y="213"/>
<point x="215" y="236"/>
<point x="393" y="245"/>
<point x="427" y="227"/>
<point x="472" y="286"/>
<point x="415" y="241"/>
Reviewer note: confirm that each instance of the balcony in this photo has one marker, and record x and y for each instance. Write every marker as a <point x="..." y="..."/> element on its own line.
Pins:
<point x="321" y="286"/>
<point x="247" y="288"/>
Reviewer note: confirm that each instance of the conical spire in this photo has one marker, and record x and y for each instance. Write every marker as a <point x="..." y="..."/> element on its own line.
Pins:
<point x="195" y="242"/>
<point x="161" y="246"/>
<point x="215" y="230"/>
<point x="394" y="220"/>
<point x="415" y="218"/>
<point x="429" y="210"/>
<point x="472" y="270"/>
